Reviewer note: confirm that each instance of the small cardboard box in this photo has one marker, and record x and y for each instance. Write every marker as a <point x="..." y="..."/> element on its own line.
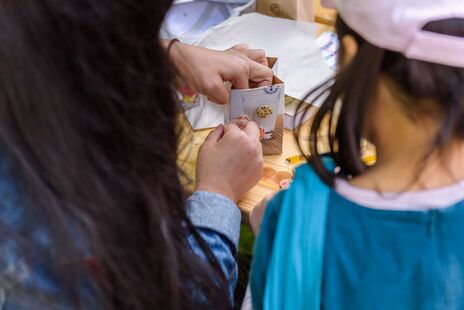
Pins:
<point x="300" y="10"/>
<point x="265" y="106"/>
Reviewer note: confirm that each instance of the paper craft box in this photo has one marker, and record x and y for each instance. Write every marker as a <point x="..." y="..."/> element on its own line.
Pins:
<point x="265" y="106"/>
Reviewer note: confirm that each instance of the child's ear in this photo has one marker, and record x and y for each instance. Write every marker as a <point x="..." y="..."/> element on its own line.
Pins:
<point x="350" y="49"/>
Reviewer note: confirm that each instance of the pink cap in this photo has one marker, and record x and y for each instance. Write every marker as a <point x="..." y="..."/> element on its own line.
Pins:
<point x="397" y="25"/>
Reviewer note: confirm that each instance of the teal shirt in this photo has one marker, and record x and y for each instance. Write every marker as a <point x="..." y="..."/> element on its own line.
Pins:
<point x="380" y="259"/>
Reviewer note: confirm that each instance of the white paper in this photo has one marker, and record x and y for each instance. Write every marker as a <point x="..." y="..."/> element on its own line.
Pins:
<point x="248" y="101"/>
<point x="301" y="65"/>
<point x="329" y="44"/>
<point x="205" y="115"/>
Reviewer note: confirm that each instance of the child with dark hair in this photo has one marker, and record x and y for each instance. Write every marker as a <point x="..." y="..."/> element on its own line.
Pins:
<point x="348" y="236"/>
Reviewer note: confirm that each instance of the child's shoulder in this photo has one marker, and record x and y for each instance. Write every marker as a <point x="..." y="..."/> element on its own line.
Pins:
<point x="306" y="186"/>
<point x="307" y="175"/>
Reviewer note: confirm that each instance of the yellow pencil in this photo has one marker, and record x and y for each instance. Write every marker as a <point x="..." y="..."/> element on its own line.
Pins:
<point x="295" y="159"/>
<point x="369" y="159"/>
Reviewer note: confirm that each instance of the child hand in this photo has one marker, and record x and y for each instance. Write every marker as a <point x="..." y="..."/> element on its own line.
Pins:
<point x="230" y="161"/>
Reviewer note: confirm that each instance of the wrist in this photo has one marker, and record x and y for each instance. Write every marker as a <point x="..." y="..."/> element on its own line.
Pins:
<point x="217" y="190"/>
<point x="165" y="43"/>
<point x="174" y="52"/>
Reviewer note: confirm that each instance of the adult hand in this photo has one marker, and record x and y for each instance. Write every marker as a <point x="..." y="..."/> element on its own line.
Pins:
<point x="206" y="70"/>
<point x="230" y="161"/>
<point x="257" y="55"/>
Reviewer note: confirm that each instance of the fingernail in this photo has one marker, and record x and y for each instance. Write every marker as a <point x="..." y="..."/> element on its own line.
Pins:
<point x="262" y="132"/>
<point x="242" y="123"/>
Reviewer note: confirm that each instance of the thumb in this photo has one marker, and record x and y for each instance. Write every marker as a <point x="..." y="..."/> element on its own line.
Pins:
<point x="220" y="97"/>
<point x="217" y="92"/>
<point x="215" y="135"/>
<point x="252" y="130"/>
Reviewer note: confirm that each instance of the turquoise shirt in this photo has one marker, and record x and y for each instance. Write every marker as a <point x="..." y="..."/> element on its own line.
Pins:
<point x="380" y="259"/>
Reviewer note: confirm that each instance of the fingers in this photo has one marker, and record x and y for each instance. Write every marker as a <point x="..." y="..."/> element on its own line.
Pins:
<point x="216" y="91"/>
<point x="264" y="83"/>
<point x="240" y="47"/>
<point x="232" y="126"/>
<point x="219" y="98"/>
<point x="258" y="56"/>
<point x="252" y="129"/>
<point x="242" y="76"/>
<point x="245" y="66"/>
<point x="215" y="135"/>
<point x="258" y="68"/>
<point x="260" y="74"/>
<point x="240" y="122"/>
<point x="252" y="71"/>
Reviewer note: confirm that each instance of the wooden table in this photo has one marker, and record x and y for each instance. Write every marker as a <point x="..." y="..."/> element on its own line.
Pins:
<point x="191" y="141"/>
<point x="323" y="15"/>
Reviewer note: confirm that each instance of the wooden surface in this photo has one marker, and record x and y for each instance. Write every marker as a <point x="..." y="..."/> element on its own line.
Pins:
<point x="191" y="141"/>
<point x="323" y="15"/>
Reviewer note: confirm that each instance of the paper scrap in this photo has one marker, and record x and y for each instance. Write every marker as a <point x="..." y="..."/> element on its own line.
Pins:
<point x="329" y="44"/>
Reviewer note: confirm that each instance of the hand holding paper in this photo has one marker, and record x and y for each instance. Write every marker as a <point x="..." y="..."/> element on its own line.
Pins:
<point x="263" y="105"/>
<point x="230" y="161"/>
<point x="207" y="70"/>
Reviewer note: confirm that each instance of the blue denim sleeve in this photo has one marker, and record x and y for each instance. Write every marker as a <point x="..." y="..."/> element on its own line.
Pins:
<point x="217" y="219"/>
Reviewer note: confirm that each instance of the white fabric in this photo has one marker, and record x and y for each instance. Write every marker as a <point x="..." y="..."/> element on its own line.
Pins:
<point x="247" y="303"/>
<point x="408" y="201"/>
<point x="205" y="115"/>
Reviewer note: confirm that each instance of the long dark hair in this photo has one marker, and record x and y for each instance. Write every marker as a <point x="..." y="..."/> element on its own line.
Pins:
<point x="350" y="92"/>
<point x="88" y="117"/>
